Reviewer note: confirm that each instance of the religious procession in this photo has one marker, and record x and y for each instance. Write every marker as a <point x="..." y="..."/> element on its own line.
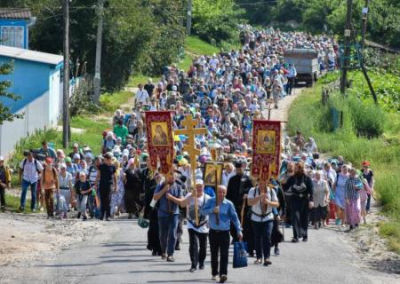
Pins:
<point x="198" y="155"/>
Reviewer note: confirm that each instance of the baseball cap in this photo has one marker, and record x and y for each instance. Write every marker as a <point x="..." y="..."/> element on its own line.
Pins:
<point x="199" y="181"/>
<point x="1" y="158"/>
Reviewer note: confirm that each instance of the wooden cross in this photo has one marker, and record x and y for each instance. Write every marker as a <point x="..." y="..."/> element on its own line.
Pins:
<point x="191" y="131"/>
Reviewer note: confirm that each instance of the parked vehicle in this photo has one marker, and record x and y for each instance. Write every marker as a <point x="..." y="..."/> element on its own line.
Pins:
<point x="306" y="64"/>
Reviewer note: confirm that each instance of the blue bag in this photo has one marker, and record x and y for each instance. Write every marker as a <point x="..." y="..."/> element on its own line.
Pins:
<point x="239" y="255"/>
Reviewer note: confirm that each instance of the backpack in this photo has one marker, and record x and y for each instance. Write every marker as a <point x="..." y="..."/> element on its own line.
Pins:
<point x="36" y="165"/>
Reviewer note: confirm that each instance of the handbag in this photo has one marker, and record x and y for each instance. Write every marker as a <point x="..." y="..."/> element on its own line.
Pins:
<point x="239" y="255"/>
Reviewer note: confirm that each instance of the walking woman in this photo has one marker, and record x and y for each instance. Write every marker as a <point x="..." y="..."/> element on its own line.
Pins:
<point x="319" y="212"/>
<point x="301" y="201"/>
<point x="262" y="199"/>
<point x="339" y="189"/>
<point x="133" y="189"/>
<point x="65" y="181"/>
<point x="368" y="174"/>
<point x="353" y="187"/>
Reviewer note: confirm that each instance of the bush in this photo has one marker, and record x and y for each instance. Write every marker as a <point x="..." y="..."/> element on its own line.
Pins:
<point x="369" y="120"/>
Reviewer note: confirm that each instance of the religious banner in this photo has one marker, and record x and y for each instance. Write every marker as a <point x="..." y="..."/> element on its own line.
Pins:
<point x="160" y="141"/>
<point x="266" y="148"/>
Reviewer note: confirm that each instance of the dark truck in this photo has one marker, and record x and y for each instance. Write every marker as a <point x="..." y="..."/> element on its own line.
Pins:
<point x="306" y="63"/>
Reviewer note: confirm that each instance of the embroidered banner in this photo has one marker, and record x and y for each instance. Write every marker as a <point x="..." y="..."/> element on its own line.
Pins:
<point x="160" y="141"/>
<point x="266" y="148"/>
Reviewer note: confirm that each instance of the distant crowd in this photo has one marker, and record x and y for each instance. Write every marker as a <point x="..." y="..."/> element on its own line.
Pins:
<point x="224" y="93"/>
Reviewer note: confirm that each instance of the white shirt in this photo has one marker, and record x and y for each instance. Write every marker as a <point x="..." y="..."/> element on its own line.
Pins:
<point x="256" y="208"/>
<point x="226" y="177"/>
<point x="142" y="96"/>
<point x="30" y="169"/>
<point x="190" y="215"/>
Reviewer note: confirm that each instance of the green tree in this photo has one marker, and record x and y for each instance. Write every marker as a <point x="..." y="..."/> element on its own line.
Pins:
<point x="217" y="20"/>
<point x="5" y="112"/>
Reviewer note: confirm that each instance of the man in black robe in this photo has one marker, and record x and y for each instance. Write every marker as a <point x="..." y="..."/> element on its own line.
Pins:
<point x="238" y="188"/>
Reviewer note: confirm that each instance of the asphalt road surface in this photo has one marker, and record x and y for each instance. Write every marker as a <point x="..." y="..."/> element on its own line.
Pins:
<point x="120" y="256"/>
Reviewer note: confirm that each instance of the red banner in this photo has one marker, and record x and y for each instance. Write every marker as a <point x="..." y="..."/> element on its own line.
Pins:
<point x="266" y="148"/>
<point x="160" y="140"/>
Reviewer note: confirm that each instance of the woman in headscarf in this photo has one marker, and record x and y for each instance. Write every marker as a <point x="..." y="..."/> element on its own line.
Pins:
<point x="65" y="183"/>
<point x="353" y="187"/>
<point x="301" y="187"/>
<point x="133" y="188"/>
<point x="339" y="189"/>
<point x="319" y="212"/>
<point x="311" y="146"/>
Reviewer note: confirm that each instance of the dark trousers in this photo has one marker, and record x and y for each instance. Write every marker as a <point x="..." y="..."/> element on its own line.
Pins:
<point x="197" y="247"/>
<point x="2" y="197"/>
<point x="49" y="198"/>
<point x="219" y="245"/>
<point x="105" y="200"/>
<point x="153" y="238"/>
<point x="300" y="216"/>
<point x="262" y="237"/>
<point x="368" y="202"/>
<point x="288" y="213"/>
<point x="290" y="85"/>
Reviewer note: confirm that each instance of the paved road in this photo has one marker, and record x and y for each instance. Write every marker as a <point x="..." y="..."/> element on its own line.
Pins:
<point x="120" y="256"/>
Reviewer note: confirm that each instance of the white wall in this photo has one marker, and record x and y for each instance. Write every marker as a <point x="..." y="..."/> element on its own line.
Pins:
<point x="43" y="112"/>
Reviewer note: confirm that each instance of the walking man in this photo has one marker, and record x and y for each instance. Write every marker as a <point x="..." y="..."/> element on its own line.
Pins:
<point x="169" y="196"/>
<point x="30" y="168"/>
<point x="49" y="183"/>
<point x="221" y="214"/>
<point x="197" y="232"/>
<point x="106" y="180"/>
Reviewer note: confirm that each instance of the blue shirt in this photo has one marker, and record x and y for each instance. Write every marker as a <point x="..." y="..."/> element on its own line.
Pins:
<point x="163" y="206"/>
<point x="227" y="214"/>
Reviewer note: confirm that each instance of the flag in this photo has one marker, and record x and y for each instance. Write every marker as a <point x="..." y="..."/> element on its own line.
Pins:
<point x="266" y="148"/>
<point x="160" y="140"/>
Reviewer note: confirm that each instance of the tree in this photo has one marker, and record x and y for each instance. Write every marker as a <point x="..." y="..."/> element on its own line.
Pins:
<point x="217" y="20"/>
<point x="5" y="112"/>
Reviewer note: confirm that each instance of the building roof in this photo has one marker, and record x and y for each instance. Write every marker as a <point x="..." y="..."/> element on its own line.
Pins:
<point x="15" y="13"/>
<point x="30" y="55"/>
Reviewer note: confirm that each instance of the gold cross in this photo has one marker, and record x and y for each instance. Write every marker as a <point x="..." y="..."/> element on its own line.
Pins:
<point x="190" y="131"/>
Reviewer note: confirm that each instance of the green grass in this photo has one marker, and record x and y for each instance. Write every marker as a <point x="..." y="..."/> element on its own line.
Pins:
<point x="195" y="45"/>
<point x="13" y="202"/>
<point x="134" y="81"/>
<point x="310" y="117"/>
<point x="112" y="102"/>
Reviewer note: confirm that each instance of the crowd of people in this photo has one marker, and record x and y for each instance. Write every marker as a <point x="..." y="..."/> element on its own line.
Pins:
<point x="224" y="93"/>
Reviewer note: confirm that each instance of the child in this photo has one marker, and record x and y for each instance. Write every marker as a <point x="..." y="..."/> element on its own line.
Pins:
<point x="82" y="189"/>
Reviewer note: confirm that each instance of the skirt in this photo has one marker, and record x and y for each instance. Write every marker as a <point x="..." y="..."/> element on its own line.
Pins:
<point x="353" y="212"/>
<point x="319" y="213"/>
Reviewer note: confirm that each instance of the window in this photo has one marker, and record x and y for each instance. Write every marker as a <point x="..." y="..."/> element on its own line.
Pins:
<point x="12" y="36"/>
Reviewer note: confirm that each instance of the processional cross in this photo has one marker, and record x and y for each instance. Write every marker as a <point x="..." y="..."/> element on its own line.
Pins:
<point x="191" y="131"/>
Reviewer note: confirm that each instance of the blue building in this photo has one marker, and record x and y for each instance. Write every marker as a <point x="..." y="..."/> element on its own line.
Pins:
<point x="36" y="78"/>
<point x="14" y="27"/>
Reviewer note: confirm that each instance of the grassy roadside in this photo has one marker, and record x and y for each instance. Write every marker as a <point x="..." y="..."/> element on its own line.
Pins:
<point x="193" y="47"/>
<point x="309" y="116"/>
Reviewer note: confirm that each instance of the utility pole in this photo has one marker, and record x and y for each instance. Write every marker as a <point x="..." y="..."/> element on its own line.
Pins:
<point x="66" y="132"/>
<point x="189" y="18"/>
<point x="361" y="54"/>
<point x="365" y="12"/>
<point x="346" y="54"/>
<point x="97" y="74"/>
